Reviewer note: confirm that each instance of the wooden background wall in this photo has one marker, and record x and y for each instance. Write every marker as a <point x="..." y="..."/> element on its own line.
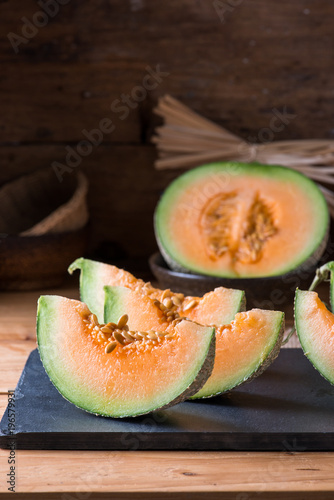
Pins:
<point x="235" y="61"/>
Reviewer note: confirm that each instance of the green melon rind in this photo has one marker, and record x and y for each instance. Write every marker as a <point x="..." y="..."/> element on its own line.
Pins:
<point x="331" y="286"/>
<point x="91" y="292"/>
<point x="242" y="304"/>
<point x="259" y="366"/>
<point x="302" y="329"/>
<point x="73" y="392"/>
<point x="179" y="263"/>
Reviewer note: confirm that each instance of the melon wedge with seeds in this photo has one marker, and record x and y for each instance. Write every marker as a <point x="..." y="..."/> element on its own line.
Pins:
<point x="135" y="377"/>
<point x="217" y="307"/>
<point x="244" y="348"/>
<point x="315" y="329"/>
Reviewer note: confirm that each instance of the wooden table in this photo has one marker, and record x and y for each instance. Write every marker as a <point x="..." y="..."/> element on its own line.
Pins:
<point x="68" y="475"/>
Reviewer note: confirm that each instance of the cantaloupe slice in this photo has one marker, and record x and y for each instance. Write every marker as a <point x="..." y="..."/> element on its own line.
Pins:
<point x="112" y="371"/>
<point x="217" y="307"/>
<point x="315" y="329"/>
<point x="244" y="348"/>
<point x="241" y="220"/>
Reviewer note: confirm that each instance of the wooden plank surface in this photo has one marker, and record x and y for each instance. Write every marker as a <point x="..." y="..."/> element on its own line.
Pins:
<point x="173" y="472"/>
<point x="235" y="69"/>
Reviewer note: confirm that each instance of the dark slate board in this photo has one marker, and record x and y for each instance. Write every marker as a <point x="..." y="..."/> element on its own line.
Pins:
<point x="290" y="407"/>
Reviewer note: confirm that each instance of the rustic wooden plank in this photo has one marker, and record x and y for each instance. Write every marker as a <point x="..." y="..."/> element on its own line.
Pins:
<point x="18" y="315"/>
<point x="220" y="495"/>
<point x="66" y="101"/>
<point x="173" y="472"/>
<point x="3" y="403"/>
<point x="14" y="355"/>
<point x="234" y="71"/>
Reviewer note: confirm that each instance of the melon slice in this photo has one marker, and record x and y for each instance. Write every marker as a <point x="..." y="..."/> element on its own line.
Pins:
<point x="315" y="329"/>
<point x="241" y="220"/>
<point x="110" y="370"/>
<point x="217" y="307"/>
<point x="244" y="348"/>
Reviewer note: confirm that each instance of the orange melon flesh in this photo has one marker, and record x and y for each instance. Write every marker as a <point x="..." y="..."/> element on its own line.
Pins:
<point x="238" y="220"/>
<point x="216" y="307"/>
<point x="315" y="329"/>
<point x="242" y="347"/>
<point x="131" y="380"/>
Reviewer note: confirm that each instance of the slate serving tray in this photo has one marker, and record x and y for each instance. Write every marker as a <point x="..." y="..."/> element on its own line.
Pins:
<point x="288" y="408"/>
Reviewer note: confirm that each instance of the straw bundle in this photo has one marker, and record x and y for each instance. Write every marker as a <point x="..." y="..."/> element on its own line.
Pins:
<point x="187" y="139"/>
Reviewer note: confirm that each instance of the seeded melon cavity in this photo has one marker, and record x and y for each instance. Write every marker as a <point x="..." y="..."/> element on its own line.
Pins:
<point x="244" y="348"/>
<point x="218" y="307"/>
<point x="241" y="220"/>
<point x="116" y="371"/>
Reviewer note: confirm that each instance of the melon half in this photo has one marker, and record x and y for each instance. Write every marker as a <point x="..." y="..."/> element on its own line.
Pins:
<point x="244" y="347"/>
<point x="113" y="371"/>
<point x="241" y="220"/>
<point x="218" y="307"/>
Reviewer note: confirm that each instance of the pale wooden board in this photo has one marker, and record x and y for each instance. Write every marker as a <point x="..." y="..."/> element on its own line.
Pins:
<point x="18" y="312"/>
<point x="13" y="358"/>
<point x="153" y="472"/>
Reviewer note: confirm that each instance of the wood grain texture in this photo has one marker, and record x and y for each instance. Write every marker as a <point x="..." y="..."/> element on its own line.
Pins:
<point x="155" y="473"/>
<point x="264" y="54"/>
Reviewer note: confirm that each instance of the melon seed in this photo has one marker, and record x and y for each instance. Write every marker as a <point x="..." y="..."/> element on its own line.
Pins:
<point x="119" y="337"/>
<point x="190" y="305"/>
<point x="110" y="347"/>
<point x="107" y="330"/>
<point x="166" y="294"/>
<point x="168" y="303"/>
<point x="94" y="319"/>
<point x="177" y="301"/>
<point x="122" y="321"/>
<point x="169" y="336"/>
<point x="128" y="336"/>
<point x="111" y="325"/>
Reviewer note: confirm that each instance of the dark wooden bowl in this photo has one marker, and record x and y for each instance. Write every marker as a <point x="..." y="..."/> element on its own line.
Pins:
<point x="266" y="293"/>
<point x="32" y="262"/>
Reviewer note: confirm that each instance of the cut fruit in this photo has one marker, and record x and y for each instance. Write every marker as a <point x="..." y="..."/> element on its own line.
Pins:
<point x="241" y="220"/>
<point x="315" y="329"/>
<point x="110" y="370"/>
<point x="244" y="348"/>
<point x="218" y="307"/>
